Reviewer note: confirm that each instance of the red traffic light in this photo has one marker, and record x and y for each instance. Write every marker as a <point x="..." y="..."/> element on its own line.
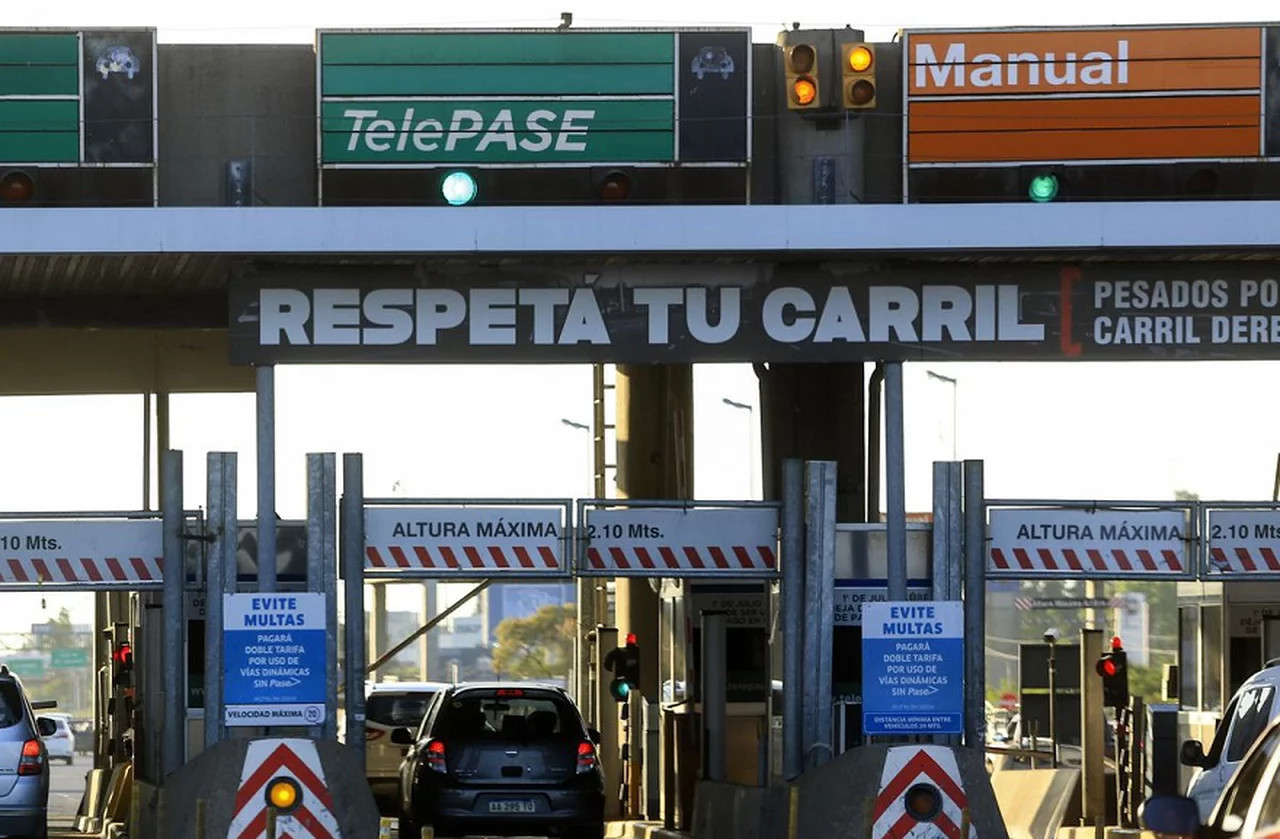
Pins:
<point x="1115" y="643"/>
<point x="631" y="639"/>
<point x="1107" y="668"/>
<point x="16" y="188"/>
<point x="123" y="654"/>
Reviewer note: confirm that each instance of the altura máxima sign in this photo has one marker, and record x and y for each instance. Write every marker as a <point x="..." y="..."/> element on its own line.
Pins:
<point x="685" y="313"/>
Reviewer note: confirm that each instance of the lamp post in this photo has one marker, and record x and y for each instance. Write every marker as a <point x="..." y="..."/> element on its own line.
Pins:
<point x="753" y="473"/>
<point x="938" y="377"/>
<point x="588" y="616"/>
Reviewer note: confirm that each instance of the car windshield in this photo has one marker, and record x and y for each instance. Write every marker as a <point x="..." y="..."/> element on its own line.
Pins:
<point x="10" y="705"/>
<point x="397" y="709"/>
<point x="506" y="713"/>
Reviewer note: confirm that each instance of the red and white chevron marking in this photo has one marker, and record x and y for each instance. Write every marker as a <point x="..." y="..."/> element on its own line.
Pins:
<point x="687" y="558"/>
<point x="906" y="766"/>
<point x="1243" y="560"/>
<point x="274" y="758"/>
<point x="87" y="570"/>
<point x="1089" y="560"/>
<point x="463" y="558"/>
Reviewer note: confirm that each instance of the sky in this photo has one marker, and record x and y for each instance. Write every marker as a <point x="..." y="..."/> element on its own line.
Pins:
<point x="1053" y="431"/>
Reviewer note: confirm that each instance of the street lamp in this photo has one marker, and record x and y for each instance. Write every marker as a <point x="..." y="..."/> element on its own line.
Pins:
<point x="751" y="447"/>
<point x="1051" y="638"/>
<point x="938" y="377"/>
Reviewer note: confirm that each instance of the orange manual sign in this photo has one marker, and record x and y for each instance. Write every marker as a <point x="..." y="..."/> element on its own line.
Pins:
<point x="1079" y="95"/>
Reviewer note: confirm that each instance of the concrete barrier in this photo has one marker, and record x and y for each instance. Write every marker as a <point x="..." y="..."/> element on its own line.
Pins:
<point x="859" y="795"/>
<point x="1035" y="803"/>
<point x="226" y="784"/>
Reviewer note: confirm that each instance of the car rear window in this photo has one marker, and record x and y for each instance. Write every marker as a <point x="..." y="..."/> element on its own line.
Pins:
<point x="10" y="705"/>
<point x="506" y="713"/>
<point x="397" y="709"/>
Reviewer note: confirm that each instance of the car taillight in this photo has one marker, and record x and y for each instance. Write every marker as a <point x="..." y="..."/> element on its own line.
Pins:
<point x="435" y="756"/>
<point x="32" y="761"/>
<point x="371" y="734"/>
<point x="586" y="756"/>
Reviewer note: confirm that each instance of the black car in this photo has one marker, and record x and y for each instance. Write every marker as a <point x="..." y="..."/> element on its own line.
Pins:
<point x="501" y="760"/>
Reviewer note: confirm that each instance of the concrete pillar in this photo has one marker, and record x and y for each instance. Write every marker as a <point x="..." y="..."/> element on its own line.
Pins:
<point x="379" y="641"/>
<point x="816" y="412"/>
<point x="655" y="461"/>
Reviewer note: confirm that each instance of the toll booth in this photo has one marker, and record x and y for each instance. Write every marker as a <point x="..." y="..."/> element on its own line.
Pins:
<point x="1227" y="631"/>
<point x="751" y="607"/>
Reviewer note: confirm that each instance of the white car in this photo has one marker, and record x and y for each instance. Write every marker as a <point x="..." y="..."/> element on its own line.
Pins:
<point x="61" y="744"/>
<point x="1252" y="708"/>
<point x="391" y="705"/>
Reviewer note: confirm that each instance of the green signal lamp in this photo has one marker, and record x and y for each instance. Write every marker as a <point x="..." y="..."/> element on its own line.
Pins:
<point x="619" y="689"/>
<point x="458" y="188"/>
<point x="1043" y="188"/>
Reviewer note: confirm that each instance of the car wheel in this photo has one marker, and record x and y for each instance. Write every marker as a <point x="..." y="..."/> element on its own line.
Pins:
<point x="71" y="760"/>
<point x="408" y="828"/>
<point x="592" y="832"/>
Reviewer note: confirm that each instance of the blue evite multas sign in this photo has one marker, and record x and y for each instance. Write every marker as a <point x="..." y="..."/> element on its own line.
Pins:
<point x="913" y="667"/>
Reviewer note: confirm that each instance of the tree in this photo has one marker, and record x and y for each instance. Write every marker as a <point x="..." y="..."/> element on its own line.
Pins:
<point x="539" y="646"/>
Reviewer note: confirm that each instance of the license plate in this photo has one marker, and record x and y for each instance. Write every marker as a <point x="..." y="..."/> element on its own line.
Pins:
<point x="511" y="807"/>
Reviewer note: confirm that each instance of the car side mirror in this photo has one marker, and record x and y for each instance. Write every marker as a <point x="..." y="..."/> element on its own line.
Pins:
<point x="46" y="726"/>
<point x="402" y="736"/>
<point x="1170" y="814"/>
<point x="594" y="735"/>
<point x="1192" y="753"/>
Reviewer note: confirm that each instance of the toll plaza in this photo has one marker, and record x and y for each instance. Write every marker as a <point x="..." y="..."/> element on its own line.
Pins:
<point x="642" y="201"/>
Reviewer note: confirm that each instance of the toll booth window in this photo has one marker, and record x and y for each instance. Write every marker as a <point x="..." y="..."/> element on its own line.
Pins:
<point x="1189" y="657"/>
<point x="1211" y="635"/>
<point x="10" y="705"/>
<point x="1252" y="715"/>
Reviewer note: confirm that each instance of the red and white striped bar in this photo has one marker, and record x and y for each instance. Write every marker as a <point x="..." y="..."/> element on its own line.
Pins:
<point x="1243" y="543"/>
<point x="680" y="542"/>
<point x="1101" y="544"/>
<point x="425" y="541"/>
<point x="83" y="554"/>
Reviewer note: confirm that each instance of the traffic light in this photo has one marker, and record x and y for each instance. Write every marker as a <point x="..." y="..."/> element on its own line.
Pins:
<point x="803" y="81"/>
<point x="122" y="662"/>
<point x="16" y="188"/>
<point x="458" y="188"/>
<point x="858" y="76"/>
<point x="624" y="663"/>
<point x="1113" y="668"/>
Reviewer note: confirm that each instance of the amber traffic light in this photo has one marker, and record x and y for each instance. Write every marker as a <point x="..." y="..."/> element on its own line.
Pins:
<point x="801" y="66"/>
<point x="858" y="76"/>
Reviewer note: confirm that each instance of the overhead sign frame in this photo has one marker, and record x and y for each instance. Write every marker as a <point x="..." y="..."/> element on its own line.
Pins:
<point x="648" y="538"/>
<point x="669" y="312"/>
<point x="1048" y="539"/>
<point x="1014" y="82"/>
<point x="82" y="551"/>
<point x="526" y="92"/>
<point x="1241" y="540"/>
<point x="465" y="539"/>
<point x="99" y="83"/>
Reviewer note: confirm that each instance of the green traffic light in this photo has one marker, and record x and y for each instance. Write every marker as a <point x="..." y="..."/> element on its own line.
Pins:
<point x="619" y="689"/>
<point x="458" y="188"/>
<point x="1043" y="188"/>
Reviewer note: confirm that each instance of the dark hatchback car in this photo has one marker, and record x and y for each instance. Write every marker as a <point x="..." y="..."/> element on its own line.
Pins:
<point x="501" y="760"/>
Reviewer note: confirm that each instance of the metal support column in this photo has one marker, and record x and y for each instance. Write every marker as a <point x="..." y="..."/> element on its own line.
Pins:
<point x="174" y="661"/>
<point x="1093" y="779"/>
<point x="322" y="564"/>
<point x="221" y="579"/>
<point x="793" y="633"/>
<point x="895" y="482"/>
<point x="715" y="694"/>
<point x="351" y="535"/>
<point x="820" y="549"/>
<point x="266" y="381"/>
<point x="610" y="741"/>
<point x="975" y="606"/>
